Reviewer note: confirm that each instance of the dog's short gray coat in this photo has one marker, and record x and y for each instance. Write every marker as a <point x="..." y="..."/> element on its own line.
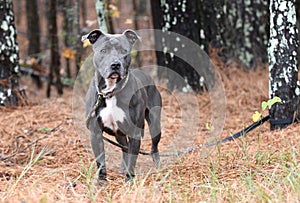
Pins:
<point x="133" y="98"/>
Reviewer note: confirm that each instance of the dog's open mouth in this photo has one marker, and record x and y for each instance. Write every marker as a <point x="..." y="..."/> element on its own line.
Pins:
<point x="114" y="75"/>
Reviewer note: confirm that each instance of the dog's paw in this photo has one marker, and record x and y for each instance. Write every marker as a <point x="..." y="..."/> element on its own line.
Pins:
<point x="101" y="183"/>
<point x="101" y="173"/>
<point x="122" y="169"/>
<point x="156" y="159"/>
<point x="129" y="178"/>
<point x="102" y="177"/>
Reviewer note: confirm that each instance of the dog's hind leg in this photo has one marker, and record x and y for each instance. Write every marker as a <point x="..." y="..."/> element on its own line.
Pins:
<point x="153" y="120"/>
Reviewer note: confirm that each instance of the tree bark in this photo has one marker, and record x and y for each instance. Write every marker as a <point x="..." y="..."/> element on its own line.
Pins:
<point x="182" y="17"/>
<point x="157" y="19"/>
<point x="109" y="19"/>
<point x="245" y="33"/>
<point x="99" y="5"/>
<point x="78" y="36"/>
<point x="33" y="33"/>
<point x="83" y="12"/>
<point x="142" y="8"/>
<point x="68" y="13"/>
<point x="33" y="29"/>
<point x="9" y="57"/>
<point x="137" y="61"/>
<point x="55" y="57"/>
<point x="283" y="65"/>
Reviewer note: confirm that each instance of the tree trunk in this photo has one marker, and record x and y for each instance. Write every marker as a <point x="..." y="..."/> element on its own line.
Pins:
<point x="33" y="29"/>
<point x="83" y="12"/>
<point x="68" y="13"/>
<point x="99" y="4"/>
<point x="283" y="66"/>
<point x="142" y="8"/>
<point x="55" y="57"/>
<point x="210" y="18"/>
<point x="78" y="36"/>
<point x="246" y="31"/>
<point x="33" y="33"/>
<point x="182" y="17"/>
<point x="157" y="19"/>
<point x="9" y="57"/>
<point x="137" y="61"/>
<point x="109" y="19"/>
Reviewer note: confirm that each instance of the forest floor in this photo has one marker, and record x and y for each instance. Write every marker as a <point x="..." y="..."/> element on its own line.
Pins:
<point x="45" y="154"/>
<point x="48" y="158"/>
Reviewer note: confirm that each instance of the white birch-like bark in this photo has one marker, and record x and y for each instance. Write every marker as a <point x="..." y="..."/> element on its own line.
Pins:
<point x="9" y="55"/>
<point x="100" y="9"/>
<point x="283" y="65"/>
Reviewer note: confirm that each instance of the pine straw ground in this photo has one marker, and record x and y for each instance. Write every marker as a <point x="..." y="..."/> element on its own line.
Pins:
<point x="47" y="161"/>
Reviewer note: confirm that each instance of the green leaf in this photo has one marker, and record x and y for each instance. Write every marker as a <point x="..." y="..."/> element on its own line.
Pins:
<point x="45" y="130"/>
<point x="209" y="127"/>
<point x="256" y="116"/>
<point x="264" y="105"/>
<point x="273" y="101"/>
<point x="270" y="102"/>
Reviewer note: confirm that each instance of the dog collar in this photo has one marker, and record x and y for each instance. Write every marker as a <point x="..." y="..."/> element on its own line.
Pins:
<point x="112" y="93"/>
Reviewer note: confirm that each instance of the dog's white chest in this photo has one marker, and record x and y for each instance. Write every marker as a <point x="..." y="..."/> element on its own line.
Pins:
<point x="112" y="114"/>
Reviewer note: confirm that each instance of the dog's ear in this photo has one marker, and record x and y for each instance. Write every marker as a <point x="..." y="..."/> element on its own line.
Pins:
<point x="131" y="36"/>
<point x="92" y="36"/>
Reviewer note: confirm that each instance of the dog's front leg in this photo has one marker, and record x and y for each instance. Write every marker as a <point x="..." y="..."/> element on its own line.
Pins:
<point x="122" y="140"/>
<point x="98" y="149"/>
<point x="133" y="151"/>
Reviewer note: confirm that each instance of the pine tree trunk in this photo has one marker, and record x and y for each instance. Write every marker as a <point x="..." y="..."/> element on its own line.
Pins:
<point x="283" y="66"/>
<point x="157" y="19"/>
<point x="33" y="29"/>
<point x="210" y="18"/>
<point x="138" y="60"/>
<point x="33" y="33"/>
<point x="142" y="8"/>
<point x="68" y="13"/>
<point x="245" y="32"/>
<point x="9" y="57"/>
<point x="78" y="36"/>
<point x="83" y="12"/>
<point x="109" y="19"/>
<point x="182" y="17"/>
<point x="55" y="57"/>
<point x="99" y="4"/>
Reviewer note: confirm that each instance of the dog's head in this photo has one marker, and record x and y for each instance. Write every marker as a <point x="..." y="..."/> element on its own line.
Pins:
<point x="112" y="52"/>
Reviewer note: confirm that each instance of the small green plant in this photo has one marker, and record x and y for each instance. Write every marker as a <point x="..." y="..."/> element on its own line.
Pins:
<point x="257" y="115"/>
<point x="209" y="127"/>
<point x="45" y="130"/>
<point x="33" y="161"/>
<point x="67" y="81"/>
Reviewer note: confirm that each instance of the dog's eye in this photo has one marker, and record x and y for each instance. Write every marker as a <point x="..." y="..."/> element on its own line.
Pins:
<point x="124" y="51"/>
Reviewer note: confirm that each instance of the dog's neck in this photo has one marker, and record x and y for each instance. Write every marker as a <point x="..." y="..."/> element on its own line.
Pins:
<point x="110" y="85"/>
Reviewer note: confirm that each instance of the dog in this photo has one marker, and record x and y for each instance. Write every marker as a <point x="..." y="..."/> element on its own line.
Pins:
<point x="119" y="100"/>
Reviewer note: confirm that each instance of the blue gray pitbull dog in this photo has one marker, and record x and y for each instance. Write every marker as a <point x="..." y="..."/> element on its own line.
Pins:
<point x="126" y="98"/>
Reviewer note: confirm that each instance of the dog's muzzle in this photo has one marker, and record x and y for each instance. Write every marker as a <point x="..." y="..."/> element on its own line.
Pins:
<point x="116" y="70"/>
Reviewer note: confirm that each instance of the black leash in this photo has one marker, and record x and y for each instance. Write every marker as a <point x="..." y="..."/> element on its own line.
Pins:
<point x="101" y="96"/>
<point x="193" y="148"/>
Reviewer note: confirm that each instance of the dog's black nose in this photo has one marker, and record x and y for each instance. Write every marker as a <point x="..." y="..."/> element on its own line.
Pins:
<point x="115" y="65"/>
